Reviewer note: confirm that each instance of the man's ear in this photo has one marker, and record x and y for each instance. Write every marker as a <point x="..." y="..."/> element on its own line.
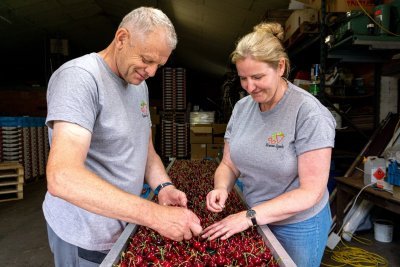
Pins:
<point x="121" y="37"/>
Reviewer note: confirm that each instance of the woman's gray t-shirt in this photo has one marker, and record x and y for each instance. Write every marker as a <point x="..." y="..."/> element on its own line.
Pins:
<point x="265" y="146"/>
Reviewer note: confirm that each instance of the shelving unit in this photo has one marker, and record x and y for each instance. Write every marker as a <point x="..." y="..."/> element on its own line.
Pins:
<point x="352" y="51"/>
<point x="358" y="139"/>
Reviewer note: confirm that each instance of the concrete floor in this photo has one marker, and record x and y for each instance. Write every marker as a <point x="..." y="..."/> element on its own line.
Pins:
<point x="23" y="237"/>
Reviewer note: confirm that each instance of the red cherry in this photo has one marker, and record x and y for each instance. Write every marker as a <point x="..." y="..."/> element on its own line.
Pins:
<point x="220" y="260"/>
<point x="166" y="264"/>
<point x="196" y="244"/>
<point x="138" y="259"/>
<point x="237" y="255"/>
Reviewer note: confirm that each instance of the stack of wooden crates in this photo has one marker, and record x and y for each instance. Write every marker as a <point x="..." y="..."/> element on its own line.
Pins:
<point x="24" y="148"/>
<point x="174" y="126"/>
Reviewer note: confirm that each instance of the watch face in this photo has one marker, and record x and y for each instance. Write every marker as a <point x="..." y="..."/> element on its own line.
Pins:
<point x="250" y="213"/>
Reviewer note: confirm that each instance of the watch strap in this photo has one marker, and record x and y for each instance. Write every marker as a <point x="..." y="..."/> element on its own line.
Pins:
<point x="161" y="186"/>
<point x="253" y="221"/>
<point x="251" y="214"/>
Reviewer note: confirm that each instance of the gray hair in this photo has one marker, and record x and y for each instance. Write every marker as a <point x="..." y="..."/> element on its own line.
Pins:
<point x="144" y="20"/>
<point x="263" y="44"/>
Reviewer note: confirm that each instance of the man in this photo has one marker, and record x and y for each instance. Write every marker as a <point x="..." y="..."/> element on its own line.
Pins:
<point x="101" y="147"/>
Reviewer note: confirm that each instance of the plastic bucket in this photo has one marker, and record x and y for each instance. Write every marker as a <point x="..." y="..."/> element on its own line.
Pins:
<point x="383" y="231"/>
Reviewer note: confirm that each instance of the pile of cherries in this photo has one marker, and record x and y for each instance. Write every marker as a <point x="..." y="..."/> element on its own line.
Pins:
<point x="195" y="178"/>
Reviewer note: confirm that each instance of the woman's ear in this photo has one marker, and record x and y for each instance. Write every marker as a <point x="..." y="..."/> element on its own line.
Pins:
<point x="282" y="67"/>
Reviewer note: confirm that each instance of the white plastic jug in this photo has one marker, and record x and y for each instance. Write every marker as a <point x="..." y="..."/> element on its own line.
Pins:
<point x="374" y="169"/>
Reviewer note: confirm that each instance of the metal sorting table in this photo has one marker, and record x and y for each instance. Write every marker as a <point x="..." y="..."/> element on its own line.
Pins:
<point x="279" y="253"/>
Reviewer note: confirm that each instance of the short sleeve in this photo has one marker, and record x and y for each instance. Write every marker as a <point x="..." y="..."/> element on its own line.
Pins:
<point x="314" y="130"/>
<point x="72" y="96"/>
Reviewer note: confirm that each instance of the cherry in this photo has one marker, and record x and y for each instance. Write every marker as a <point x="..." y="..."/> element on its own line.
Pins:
<point x="196" y="244"/>
<point x="198" y="264"/>
<point x="237" y="255"/>
<point x="138" y="259"/>
<point x="166" y="264"/>
<point x="220" y="260"/>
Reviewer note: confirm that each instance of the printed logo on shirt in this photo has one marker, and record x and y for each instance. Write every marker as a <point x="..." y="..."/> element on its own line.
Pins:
<point x="275" y="140"/>
<point x="143" y="109"/>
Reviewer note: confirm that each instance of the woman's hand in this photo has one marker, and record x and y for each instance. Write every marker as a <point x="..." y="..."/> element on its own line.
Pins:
<point x="227" y="227"/>
<point x="216" y="199"/>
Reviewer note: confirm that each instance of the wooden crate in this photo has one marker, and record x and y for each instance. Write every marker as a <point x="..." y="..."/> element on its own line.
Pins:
<point x="304" y="31"/>
<point x="11" y="181"/>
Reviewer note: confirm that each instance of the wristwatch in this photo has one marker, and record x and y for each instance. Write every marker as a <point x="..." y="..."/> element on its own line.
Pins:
<point x="161" y="186"/>
<point x="251" y="214"/>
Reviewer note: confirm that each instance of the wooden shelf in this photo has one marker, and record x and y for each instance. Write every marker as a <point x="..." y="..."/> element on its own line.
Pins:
<point x="349" y="97"/>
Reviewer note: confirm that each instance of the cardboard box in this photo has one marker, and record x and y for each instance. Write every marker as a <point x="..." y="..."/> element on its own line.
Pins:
<point x="219" y="132"/>
<point x="198" y="151"/>
<point x="202" y="117"/>
<point x="153" y="110"/>
<point x="348" y="5"/>
<point x="155" y="117"/>
<point x="340" y="5"/>
<point x="297" y="18"/>
<point x="219" y="128"/>
<point x="201" y="134"/>
<point x="396" y="192"/>
<point x="218" y="140"/>
<point x="214" y="149"/>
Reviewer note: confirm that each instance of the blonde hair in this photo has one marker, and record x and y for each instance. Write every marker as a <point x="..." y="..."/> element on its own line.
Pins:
<point x="144" y="20"/>
<point x="263" y="44"/>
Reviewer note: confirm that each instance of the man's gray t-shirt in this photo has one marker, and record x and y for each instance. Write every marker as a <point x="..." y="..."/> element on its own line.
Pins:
<point x="264" y="146"/>
<point x="86" y="92"/>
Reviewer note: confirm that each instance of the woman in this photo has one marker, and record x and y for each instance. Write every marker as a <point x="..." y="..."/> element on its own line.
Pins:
<point x="279" y="141"/>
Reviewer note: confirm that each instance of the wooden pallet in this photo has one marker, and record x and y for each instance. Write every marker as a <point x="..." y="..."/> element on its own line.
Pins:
<point x="11" y="165"/>
<point x="11" y="181"/>
<point x="11" y="196"/>
<point x="9" y="186"/>
<point x="302" y="32"/>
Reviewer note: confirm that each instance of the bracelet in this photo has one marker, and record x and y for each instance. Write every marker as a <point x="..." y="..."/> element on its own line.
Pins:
<point x="161" y="186"/>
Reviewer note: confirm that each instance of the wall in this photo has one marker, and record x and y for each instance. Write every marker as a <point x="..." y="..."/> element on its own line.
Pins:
<point x="23" y="102"/>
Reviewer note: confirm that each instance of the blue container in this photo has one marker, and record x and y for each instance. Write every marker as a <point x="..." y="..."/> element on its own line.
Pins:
<point x="145" y="191"/>
<point x="22" y="121"/>
<point x="393" y="176"/>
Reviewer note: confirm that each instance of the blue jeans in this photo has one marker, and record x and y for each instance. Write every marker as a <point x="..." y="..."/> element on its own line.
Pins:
<point x="305" y="241"/>
<point x="68" y="255"/>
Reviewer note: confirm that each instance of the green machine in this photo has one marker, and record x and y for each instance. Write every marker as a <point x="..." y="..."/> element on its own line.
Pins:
<point x="387" y="17"/>
<point x="383" y="24"/>
<point x="356" y="23"/>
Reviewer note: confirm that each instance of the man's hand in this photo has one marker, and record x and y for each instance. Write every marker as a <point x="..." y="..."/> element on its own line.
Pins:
<point x="171" y="196"/>
<point x="177" y="223"/>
